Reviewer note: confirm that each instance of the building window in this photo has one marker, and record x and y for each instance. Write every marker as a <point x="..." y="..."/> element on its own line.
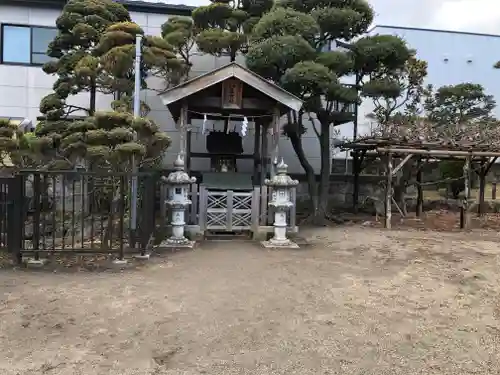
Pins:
<point x="26" y="45"/>
<point x="329" y="46"/>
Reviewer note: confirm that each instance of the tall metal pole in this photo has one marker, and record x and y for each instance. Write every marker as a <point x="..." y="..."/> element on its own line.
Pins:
<point x="137" y="114"/>
<point x="356" y="162"/>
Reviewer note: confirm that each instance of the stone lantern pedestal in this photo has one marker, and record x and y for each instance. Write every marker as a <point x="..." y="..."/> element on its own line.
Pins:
<point x="178" y="183"/>
<point x="281" y="203"/>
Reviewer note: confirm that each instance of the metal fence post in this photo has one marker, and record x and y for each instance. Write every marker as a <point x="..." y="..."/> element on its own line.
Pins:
<point x="202" y="217"/>
<point x="147" y="213"/>
<point x="15" y="216"/>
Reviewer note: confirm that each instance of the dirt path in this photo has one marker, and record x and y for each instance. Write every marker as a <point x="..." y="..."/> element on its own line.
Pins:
<point x="360" y="301"/>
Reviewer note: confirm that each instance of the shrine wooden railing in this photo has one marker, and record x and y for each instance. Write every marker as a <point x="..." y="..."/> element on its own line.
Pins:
<point x="231" y="210"/>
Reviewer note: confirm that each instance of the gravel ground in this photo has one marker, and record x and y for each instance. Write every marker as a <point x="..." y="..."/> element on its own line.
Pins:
<point x="359" y="301"/>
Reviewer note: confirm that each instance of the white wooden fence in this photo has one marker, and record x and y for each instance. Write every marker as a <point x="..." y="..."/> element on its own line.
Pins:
<point x="232" y="210"/>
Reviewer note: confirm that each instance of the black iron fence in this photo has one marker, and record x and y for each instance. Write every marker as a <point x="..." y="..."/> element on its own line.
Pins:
<point x="76" y="212"/>
<point x="7" y="205"/>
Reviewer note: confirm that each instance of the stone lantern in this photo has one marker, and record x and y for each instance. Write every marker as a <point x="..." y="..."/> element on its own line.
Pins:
<point x="282" y="185"/>
<point x="178" y="183"/>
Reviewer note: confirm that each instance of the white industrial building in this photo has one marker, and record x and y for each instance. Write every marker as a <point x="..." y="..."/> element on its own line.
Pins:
<point x="453" y="57"/>
<point x="27" y="26"/>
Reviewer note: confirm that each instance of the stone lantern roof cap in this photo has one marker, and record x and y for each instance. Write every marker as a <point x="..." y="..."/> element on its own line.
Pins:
<point x="179" y="176"/>
<point x="282" y="179"/>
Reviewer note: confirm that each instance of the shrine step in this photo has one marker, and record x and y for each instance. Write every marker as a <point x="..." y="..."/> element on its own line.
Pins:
<point x="227" y="236"/>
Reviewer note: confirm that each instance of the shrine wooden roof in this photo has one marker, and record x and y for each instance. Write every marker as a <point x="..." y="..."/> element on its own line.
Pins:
<point x="223" y="73"/>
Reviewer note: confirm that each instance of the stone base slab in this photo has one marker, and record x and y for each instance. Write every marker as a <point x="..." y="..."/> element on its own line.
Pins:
<point x="176" y="245"/>
<point x="277" y="245"/>
<point x="32" y="263"/>
<point x="142" y="257"/>
<point x="119" y="263"/>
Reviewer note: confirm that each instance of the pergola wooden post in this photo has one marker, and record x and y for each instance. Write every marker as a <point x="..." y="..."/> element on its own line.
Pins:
<point x="392" y="147"/>
<point x="465" y="202"/>
<point x="420" y="190"/>
<point x="388" y="192"/>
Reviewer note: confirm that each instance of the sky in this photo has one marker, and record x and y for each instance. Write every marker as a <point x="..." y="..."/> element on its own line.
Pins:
<point x="481" y="16"/>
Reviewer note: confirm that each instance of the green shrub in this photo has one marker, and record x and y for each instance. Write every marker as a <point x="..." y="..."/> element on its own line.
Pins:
<point x="453" y="170"/>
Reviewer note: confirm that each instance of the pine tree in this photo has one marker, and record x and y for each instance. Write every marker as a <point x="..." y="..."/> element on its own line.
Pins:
<point x="288" y="47"/>
<point x="225" y="26"/>
<point x="93" y="52"/>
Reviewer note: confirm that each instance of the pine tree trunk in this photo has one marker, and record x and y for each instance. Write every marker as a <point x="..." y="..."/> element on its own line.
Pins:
<point x="324" y="178"/>
<point x="93" y="99"/>
<point x="308" y="169"/>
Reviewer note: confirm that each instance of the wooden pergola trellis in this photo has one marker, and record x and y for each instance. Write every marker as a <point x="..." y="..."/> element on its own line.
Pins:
<point x="478" y="142"/>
